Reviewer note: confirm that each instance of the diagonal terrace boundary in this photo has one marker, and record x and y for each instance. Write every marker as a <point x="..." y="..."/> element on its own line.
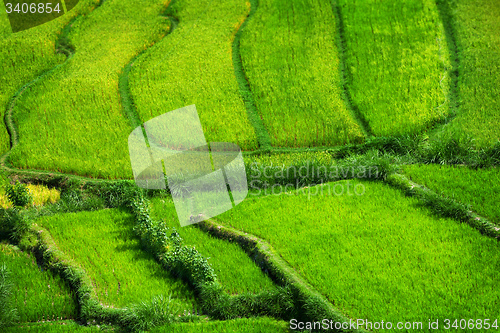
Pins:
<point x="246" y="93"/>
<point x="344" y="74"/>
<point x="313" y="305"/>
<point x="444" y="206"/>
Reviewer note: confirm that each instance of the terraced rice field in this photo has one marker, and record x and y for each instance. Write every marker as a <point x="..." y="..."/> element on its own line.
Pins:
<point x="377" y="256"/>
<point x="193" y="65"/>
<point x="38" y="295"/>
<point x="396" y="58"/>
<point x="87" y="85"/>
<point x="291" y="58"/>
<point x="26" y="55"/>
<point x="477" y="188"/>
<point x="104" y="245"/>
<point x="342" y="85"/>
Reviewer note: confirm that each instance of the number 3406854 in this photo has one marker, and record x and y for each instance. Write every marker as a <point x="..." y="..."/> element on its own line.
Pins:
<point x="33" y="8"/>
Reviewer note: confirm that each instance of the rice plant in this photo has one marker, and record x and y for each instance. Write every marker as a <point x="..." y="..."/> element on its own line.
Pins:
<point x="398" y="63"/>
<point x="476" y="31"/>
<point x="290" y="56"/>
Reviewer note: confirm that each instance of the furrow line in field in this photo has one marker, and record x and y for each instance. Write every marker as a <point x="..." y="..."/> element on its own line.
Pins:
<point x="246" y="92"/>
<point x="454" y="72"/>
<point x="127" y="99"/>
<point x="344" y="74"/>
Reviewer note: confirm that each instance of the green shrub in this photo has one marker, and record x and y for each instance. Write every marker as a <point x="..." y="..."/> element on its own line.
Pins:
<point x="14" y="224"/>
<point x="19" y="194"/>
<point x="277" y="303"/>
<point x="187" y="263"/>
<point x="182" y="261"/>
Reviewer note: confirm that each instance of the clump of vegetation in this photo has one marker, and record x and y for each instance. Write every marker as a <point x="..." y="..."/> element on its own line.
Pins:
<point x="19" y="194"/>
<point x="41" y="196"/>
<point x="146" y="315"/>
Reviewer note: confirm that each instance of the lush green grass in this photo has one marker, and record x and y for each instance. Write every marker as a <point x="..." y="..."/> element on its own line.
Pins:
<point x="27" y="54"/>
<point x="37" y="295"/>
<point x="234" y="269"/>
<point x="478" y="40"/>
<point x="291" y="59"/>
<point x="396" y="53"/>
<point x="104" y="244"/>
<point x="478" y="188"/>
<point x="254" y="325"/>
<point x="72" y="121"/>
<point x="52" y="327"/>
<point x="378" y="256"/>
<point x="193" y="65"/>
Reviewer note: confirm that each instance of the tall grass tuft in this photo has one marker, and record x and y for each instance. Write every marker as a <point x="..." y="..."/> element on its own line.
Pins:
<point x="14" y="224"/>
<point x="145" y="316"/>
<point x="8" y="314"/>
